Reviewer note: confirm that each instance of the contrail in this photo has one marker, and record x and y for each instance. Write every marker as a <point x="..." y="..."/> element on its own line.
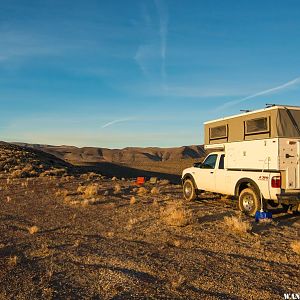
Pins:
<point x="268" y="91"/>
<point x="163" y="32"/>
<point x="116" y="121"/>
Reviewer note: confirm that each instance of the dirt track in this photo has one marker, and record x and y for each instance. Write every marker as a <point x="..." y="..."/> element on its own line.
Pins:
<point x="117" y="250"/>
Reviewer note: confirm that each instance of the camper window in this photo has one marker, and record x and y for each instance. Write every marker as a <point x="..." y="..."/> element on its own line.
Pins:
<point x="218" y="132"/>
<point x="255" y="126"/>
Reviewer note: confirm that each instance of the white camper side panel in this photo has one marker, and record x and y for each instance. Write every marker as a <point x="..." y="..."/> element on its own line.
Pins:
<point x="252" y="155"/>
<point x="289" y="162"/>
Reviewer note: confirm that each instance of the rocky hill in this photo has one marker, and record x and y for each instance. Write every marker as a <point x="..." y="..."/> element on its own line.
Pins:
<point x="18" y="161"/>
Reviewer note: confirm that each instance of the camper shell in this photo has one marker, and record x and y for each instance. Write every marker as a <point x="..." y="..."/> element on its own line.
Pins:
<point x="263" y="140"/>
<point x="271" y="122"/>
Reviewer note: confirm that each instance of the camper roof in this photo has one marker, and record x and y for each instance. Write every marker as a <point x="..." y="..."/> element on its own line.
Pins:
<point x="256" y="111"/>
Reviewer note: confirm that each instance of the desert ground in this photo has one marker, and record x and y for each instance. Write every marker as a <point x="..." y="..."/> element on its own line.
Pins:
<point x="69" y="233"/>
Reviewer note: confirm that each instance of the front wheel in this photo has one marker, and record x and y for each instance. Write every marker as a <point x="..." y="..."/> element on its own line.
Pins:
<point x="249" y="201"/>
<point x="189" y="192"/>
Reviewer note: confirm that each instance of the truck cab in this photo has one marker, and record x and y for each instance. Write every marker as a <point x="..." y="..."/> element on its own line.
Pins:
<point x="208" y="175"/>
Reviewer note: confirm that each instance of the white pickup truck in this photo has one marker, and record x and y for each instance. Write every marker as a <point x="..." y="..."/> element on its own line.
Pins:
<point x="256" y="160"/>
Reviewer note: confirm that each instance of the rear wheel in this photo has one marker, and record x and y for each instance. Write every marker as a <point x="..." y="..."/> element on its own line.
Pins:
<point x="249" y="201"/>
<point x="189" y="192"/>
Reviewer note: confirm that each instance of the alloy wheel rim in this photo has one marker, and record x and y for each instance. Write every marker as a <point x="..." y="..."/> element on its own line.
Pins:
<point x="248" y="202"/>
<point x="188" y="190"/>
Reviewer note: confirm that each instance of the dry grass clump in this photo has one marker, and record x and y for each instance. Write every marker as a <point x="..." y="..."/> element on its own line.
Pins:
<point x="132" y="200"/>
<point x="295" y="245"/>
<point x="237" y="225"/>
<point x="89" y="191"/>
<point x="142" y="191"/>
<point x="117" y="189"/>
<point x="33" y="229"/>
<point x="176" y="214"/>
<point x="155" y="191"/>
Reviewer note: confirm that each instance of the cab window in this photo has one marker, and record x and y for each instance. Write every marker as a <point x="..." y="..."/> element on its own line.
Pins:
<point x="210" y="162"/>
<point x="221" y="162"/>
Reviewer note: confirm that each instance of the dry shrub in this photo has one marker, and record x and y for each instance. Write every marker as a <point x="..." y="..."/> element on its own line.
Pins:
<point x="132" y="200"/>
<point x="53" y="172"/>
<point x="92" y="175"/>
<point x="81" y="189"/>
<point x="33" y="229"/>
<point x="176" y="214"/>
<point x="91" y="201"/>
<point x="16" y="174"/>
<point x="77" y="243"/>
<point x="24" y="184"/>
<point x="117" y="189"/>
<point x="109" y="234"/>
<point x="131" y="222"/>
<point x="295" y="245"/>
<point x="142" y="191"/>
<point x="236" y="224"/>
<point x="42" y="252"/>
<point x="177" y="281"/>
<point x="164" y="182"/>
<point x="155" y="202"/>
<point x="62" y="193"/>
<point x="155" y="191"/>
<point x="176" y="243"/>
<point x="13" y="260"/>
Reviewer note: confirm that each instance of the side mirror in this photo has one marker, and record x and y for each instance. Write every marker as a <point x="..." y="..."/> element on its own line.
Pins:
<point x="197" y="164"/>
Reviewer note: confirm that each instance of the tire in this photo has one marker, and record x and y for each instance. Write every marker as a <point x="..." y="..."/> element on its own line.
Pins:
<point x="189" y="192"/>
<point x="249" y="201"/>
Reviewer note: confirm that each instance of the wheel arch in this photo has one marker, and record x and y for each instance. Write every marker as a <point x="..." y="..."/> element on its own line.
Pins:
<point x="244" y="183"/>
<point x="189" y="176"/>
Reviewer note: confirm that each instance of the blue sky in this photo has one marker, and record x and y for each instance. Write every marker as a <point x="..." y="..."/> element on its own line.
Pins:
<point x="141" y="72"/>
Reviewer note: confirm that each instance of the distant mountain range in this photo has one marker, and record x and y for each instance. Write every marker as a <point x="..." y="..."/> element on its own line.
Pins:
<point x="88" y="155"/>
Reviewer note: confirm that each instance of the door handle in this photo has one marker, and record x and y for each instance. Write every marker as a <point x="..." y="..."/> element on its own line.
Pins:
<point x="211" y="172"/>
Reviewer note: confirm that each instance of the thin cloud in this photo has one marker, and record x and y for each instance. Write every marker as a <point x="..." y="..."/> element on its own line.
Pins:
<point x="264" y="92"/>
<point x="116" y="121"/>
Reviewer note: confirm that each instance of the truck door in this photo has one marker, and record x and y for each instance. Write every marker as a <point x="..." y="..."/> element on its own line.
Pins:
<point x="204" y="176"/>
<point x="220" y="177"/>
